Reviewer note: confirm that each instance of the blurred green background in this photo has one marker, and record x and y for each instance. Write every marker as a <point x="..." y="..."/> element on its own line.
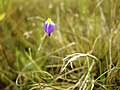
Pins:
<point x="30" y="60"/>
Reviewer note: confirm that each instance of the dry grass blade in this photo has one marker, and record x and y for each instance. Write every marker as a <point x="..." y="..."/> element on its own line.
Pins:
<point x="75" y="58"/>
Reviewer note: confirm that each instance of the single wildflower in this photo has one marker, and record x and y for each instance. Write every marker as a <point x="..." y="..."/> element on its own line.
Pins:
<point x="49" y="26"/>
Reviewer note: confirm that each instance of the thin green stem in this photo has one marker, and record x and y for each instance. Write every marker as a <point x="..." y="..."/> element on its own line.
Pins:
<point x="31" y="59"/>
<point x="2" y="74"/>
<point x="51" y="55"/>
<point x="88" y="68"/>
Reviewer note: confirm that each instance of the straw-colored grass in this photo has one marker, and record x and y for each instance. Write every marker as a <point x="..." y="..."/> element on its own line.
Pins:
<point x="83" y="53"/>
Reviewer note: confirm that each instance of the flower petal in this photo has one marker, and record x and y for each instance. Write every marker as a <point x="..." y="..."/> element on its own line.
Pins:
<point x="50" y="28"/>
<point x="45" y="26"/>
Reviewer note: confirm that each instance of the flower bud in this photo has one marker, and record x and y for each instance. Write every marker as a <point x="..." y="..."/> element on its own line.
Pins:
<point x="49" y="26"/>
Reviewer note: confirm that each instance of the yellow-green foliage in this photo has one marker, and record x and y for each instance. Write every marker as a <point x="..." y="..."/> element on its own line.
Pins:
<point x="83" y="53"/>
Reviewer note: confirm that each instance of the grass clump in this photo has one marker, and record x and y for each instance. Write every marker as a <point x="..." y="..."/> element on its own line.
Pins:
<point x="81" y="54"/>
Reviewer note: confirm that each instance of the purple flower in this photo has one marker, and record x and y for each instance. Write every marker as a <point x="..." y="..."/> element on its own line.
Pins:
<point x="49" y="26"/>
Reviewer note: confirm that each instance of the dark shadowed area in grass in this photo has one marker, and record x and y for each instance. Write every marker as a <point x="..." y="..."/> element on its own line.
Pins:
<point x="83" y="53"/>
